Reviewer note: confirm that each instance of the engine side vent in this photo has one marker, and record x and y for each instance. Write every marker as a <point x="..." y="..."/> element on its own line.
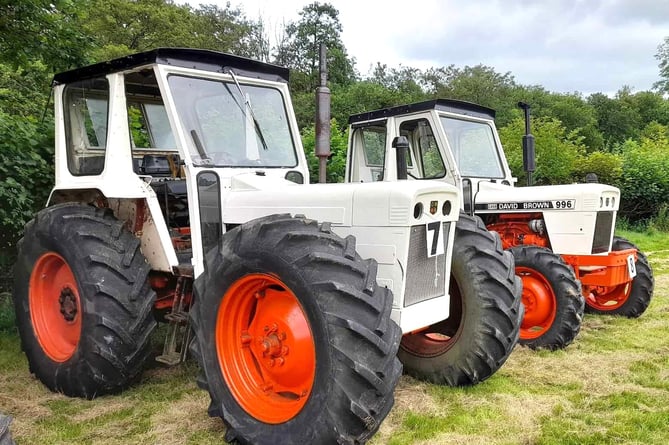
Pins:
<point x="426" y="277"/>
<point x="603" y="230"/>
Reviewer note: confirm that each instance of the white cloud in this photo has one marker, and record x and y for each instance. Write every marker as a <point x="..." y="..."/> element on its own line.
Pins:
<point x="563" y="45"/>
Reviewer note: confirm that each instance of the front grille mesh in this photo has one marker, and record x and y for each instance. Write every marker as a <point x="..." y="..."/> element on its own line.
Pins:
<point x="426" y="277"/>
<point x="603" y="228"/>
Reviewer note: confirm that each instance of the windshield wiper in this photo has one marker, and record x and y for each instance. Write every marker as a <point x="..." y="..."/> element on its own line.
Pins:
<point x="253" y="116"/>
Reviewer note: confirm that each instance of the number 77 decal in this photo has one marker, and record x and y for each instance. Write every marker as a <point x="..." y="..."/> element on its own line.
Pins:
<point x="435" y="239"/>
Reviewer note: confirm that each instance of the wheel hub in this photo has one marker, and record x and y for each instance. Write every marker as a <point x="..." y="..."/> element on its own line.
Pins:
<point x="270" y="345"/>
<point x="68" y="304"/>
<point x="265" y="347"/>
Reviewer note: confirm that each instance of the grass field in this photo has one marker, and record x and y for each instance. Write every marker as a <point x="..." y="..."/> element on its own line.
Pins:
<point x="610" y="387"/>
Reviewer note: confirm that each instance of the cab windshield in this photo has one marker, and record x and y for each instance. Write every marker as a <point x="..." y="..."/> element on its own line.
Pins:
<point x="474" y="148"/>
<point x="232" y="128"/>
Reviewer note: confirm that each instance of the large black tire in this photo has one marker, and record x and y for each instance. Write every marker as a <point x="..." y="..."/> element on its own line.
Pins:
<point x="637" y="297"/>
<point x="107" y="294"/>
<point x="552" y="298"/>
<point x="5" y="434"/>
<point x="485" y="314"/>
<point x="351" y="349"/>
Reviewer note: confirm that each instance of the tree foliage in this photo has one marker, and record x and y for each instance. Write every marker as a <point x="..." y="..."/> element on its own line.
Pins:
<point x="622" y="138"/>
<point x="300" y="47"/>
<point x="26" y="169"/>
<point x="662" y="56"/>
<point x="121" y="27"/>
<point x="48" y="31"/>
<point x="557" y="151"/>
<point x="336" y="163"/>
<point x="644" y="184"/>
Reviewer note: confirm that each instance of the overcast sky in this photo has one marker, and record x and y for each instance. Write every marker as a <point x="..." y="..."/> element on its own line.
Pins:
<point x="563" y="45"/>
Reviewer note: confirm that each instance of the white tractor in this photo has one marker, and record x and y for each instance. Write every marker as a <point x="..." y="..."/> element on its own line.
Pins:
<point x="562" y="237"/>
<point x="180" y="198"/>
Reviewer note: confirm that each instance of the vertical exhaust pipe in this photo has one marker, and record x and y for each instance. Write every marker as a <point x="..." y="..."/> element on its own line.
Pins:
<point x="529" y="164"/>
<point x="322" y="148"/>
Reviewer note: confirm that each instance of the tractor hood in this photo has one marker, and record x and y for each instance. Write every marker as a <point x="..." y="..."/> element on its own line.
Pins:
<point x="251" y="196"/>
<point x="494" y="197"/>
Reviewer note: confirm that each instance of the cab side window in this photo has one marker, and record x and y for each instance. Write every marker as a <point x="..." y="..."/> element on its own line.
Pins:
<point x="423" y="146"/>
<point x="368" y="157"/>
<point x="86" y="109"/>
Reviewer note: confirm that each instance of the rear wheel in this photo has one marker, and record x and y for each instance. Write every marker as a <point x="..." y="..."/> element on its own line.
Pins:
<point x="485" y="314"/>
<point x="628" y="299"/>
<point x="83" y="304"/>
<point x="294" y="336"/>
<point x="552" y="298"/>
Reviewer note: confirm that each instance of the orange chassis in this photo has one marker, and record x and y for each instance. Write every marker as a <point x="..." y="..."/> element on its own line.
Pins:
<point x="605" y="279"/>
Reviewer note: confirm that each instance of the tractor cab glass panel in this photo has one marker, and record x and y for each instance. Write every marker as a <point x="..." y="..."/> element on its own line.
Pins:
<point x="474" y="148"/>
<point x="232" y="128"/>
<point x="86" y="106"/>
<point x="369" y="152"/>
<point x="154" y="150"/>
<point x="424" y="149"/>
<point x="149" y="127"/>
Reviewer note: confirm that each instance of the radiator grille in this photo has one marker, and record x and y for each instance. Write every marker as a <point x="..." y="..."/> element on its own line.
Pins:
<point x="426" y="277"/>
<point x="603" y="228"/>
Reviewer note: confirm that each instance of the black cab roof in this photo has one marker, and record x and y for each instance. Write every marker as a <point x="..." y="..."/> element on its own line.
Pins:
<point x="448" y="105"/>
<point x="182" y="57"/>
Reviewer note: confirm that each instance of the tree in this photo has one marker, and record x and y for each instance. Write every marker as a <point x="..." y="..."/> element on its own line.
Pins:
<point x="336" y="163"/>
<point x="479" y="84"/>
<point x="557" y="150"/>
<point x="616" y="120"/>
<point x="26" y="166"/>
<point x="569" y="108"/>
<point x="24" y="91"/>
<point x="121" y="27"/>
<point x="300" y="47"/>
<point x="228" y="30"/>
<point x="46" y="30"/>
<point x="662" y="56"/>
<point x="644" y="183"/>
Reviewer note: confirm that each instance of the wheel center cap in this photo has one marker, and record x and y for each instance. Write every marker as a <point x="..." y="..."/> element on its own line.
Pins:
<point x="68" y="304"/>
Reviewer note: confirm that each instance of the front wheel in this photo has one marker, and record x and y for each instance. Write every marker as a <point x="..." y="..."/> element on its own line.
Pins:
<point x="552" y="298"/>
<point x="293" y="335"/>
<point x="82" y="299"/>
<point x="485" y="314"/>
<point x="627" y="299"/>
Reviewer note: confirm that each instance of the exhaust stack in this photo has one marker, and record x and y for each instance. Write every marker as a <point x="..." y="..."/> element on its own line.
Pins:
<point x="322" y="148"/>
<point x="529" y="164"/>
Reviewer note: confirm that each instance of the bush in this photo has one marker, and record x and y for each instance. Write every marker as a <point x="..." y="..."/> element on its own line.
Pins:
<point x="557" y="152"/>
<point x="660" y="222"/>
<point x="607" y="166"/>
<point x="336" y="164"/>
<point x="7" y="317"/>
<point x="644" y="183"/>
<point x="26" y="166"/>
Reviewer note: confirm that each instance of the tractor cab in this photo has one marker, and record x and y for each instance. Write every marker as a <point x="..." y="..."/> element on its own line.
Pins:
<point x="457" y="142"/>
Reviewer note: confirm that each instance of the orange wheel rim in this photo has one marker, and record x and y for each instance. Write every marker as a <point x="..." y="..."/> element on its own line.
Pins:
<point x="540" y="304"/>
<point x="265" y="348"/>
<point x="609" y="298"/>
<point x="55" y="307"/>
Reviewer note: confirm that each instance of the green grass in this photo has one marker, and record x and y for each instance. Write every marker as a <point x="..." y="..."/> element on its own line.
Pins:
<point x="6" y="313"/>
<point x="611" y="386"/>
